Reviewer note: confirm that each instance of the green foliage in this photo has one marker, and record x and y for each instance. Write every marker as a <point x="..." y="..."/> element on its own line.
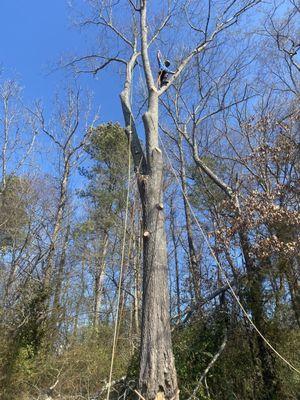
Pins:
<point x="13" y="215"/>
<point x="237" y="372"/>
<point x="107" y="176"/>
<point x="24" y="339"/>
<point x="81" y="366"/>
<point x="194" y="347"/>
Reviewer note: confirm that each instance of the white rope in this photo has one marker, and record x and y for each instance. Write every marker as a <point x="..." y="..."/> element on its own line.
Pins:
<point x="222" y="269"/>
<point x="219" y="264"/>
<point x="121" y="272"/>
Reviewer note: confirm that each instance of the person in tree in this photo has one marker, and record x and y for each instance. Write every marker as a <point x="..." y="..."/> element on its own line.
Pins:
<point x="163" y="70"/>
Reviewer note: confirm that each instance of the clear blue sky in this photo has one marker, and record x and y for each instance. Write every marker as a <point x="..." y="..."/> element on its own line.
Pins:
<point x="35" y="34"/>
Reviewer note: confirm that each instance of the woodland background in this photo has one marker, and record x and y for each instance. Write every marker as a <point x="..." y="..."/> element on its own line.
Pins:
<point x="229" y="124"/>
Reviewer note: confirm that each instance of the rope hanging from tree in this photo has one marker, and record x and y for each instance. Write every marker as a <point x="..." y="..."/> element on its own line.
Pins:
<point x="222" y="269"/>
<point x="210" y="249"/>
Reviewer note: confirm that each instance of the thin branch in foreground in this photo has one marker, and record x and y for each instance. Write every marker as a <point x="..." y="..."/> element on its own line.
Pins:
<point x="210" y="365"/>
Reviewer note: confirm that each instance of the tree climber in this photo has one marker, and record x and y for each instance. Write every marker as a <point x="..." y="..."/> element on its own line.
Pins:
<point x="163" y="71"/>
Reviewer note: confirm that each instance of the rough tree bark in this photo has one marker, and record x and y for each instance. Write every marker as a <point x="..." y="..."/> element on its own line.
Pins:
<point x="157" y="368"/>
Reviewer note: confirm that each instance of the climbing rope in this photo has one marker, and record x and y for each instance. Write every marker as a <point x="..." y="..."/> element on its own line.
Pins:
<point x="121" y="271"/>
<point x="221" y="268"/>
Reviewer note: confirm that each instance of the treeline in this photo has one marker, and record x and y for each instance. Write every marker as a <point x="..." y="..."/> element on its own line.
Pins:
<point x="229" y="135"/>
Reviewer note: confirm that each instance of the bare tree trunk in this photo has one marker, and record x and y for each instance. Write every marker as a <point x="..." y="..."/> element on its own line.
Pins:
<point x="293" y="281"/>
<point x="194" y="264"/>
<point x="136" y="297"/>
<point x="137" y="274"/>
<point x="173" y="233"/>
<point x="158" y="378"/>
<point x="57" y="224"/>
<point x="100" y="269"/>
<point x="157" y="368"/>
<point x="59" y="277"/>
<point x="6" y="124"/>
<point x="81" y="296"/>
